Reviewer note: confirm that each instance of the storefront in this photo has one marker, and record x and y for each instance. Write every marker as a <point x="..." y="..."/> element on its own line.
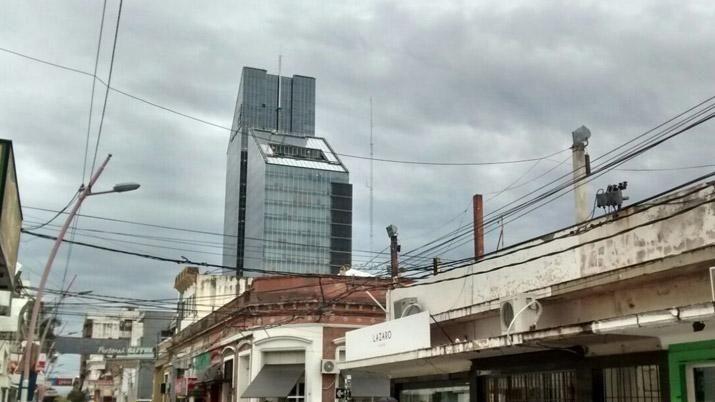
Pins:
<point x="446" y="388"/>
<point x="184" y="387"/>
<point x="566" y="375"/>
<point x="692" y="371"/>
<point x="208" y="370"/>
<point x="284" y="365"/>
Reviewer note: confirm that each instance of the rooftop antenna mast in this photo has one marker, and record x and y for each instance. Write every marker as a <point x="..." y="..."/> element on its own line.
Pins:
<point x="278" y="102"/>
<point x="372" y="183"/>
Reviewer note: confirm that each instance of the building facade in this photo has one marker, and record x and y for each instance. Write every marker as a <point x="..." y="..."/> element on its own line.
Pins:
<point x="12" y="333"/>
<point x="278" y="341"/>
<point x="13" y="304"/>
<point x="272" y="152"/>
<point x="618" y="308"/>
<point x="127" y="375"/>
<point x="10" y="223"/>
<point x="263" y="104"/>
<point x="300" y="206"/>
<point x="201" y="294"/>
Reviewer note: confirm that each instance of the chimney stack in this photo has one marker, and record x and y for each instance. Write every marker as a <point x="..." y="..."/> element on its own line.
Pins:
<point x="478" y="209"/>
<point x="581" y="169"/>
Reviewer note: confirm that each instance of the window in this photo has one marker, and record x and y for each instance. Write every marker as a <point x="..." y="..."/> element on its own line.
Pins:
<point x="700" y="380"/>
<point x="632" y="383"/>
<point x="297" y="393"/>
<point x="293" y="151"/>
<point x="457" y="393"/>
<point x="547" y="386"/>
<point x="125" y="325"/>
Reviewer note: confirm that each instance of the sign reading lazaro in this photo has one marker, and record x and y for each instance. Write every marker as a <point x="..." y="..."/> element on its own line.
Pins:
<point x="382" y="336"/>
<point x="390" y="337"/>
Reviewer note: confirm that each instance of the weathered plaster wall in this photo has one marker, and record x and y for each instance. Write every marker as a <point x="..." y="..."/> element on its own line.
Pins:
<point x="635" y="236"/>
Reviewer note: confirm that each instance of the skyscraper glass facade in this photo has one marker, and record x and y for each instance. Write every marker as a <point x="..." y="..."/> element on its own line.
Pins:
<point x="284" y="192"/>
<point x="292" y="224"/>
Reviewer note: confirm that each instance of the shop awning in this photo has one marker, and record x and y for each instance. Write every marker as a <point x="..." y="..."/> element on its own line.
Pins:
<point x="365" y="384"/>
<point x="274" y="381"/>
<point x="211" y="373"/>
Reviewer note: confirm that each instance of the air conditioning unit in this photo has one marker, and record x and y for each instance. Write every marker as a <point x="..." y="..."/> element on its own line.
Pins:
<point x="520" y="311"/>
<point x="405" y="307"/>
<point x="329" y="366"/>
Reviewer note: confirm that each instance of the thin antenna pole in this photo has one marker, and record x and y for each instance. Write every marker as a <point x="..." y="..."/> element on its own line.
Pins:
<point x="372" y="183"/>
<point x="278" y="103"/>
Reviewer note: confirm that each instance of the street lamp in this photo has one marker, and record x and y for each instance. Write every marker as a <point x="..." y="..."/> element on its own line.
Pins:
<point x="119" y="188"/>
<point x="84" y="192"/>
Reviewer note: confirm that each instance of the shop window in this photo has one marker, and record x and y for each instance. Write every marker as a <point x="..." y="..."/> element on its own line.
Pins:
<point x="701" y="382"/>
<point x="632" y="383"/>
<point x="125" y="325"/>
<point x="296" y="394"/>
<point x="456" y="393"/>
<point x="552" y="386"/>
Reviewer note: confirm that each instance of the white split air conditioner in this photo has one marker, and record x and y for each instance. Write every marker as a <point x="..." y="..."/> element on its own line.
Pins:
<point x="406" y="307"/>
<point x="520" y="311"/>
<point x="329" y="366"/>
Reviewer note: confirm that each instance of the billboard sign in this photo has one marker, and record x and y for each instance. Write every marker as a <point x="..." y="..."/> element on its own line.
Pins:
<point x="93" y="346"/>
<point x="388" y="338"/>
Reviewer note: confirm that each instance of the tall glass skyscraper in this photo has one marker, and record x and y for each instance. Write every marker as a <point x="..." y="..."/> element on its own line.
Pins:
<point x="288" y="198"/>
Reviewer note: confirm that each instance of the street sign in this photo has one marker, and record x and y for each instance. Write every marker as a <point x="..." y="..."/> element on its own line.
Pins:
<point x="342" y="393"/>
<point x="61" y="382"/>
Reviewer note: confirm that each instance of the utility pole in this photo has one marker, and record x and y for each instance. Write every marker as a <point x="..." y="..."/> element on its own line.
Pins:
<point x="41" y="390"/>
<point x="394" y="252"/>
<point x="84" y="192"/>
<point x="581" y="168"/>
<point x="435" y="266"/>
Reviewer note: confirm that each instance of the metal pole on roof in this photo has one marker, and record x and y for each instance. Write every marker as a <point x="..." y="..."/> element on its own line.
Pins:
<point x="278" y="101"/>
<point x="372" y="181"/>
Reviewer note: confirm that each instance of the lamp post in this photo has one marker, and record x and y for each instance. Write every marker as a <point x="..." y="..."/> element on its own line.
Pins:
<point x="83" y="193"/>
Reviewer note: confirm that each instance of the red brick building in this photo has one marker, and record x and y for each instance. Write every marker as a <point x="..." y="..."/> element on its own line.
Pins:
<point x="277" y="340"/>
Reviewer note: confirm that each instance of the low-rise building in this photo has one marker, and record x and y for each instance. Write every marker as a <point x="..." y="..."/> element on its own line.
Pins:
<point x="201" y="294"/>
<point x="280" y="339"/>
<point x="618" y="308"/>
<point x="125" y="375"/>
<point x="12" y="333"/>
<point x="10" y="224"/>
<point x="12" y="304"/>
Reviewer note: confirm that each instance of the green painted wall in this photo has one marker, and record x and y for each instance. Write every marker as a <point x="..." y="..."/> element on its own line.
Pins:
<point x="679" y="356"/>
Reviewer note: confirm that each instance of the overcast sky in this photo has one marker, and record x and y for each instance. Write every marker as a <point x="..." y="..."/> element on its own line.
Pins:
<point x="455" y="82"/>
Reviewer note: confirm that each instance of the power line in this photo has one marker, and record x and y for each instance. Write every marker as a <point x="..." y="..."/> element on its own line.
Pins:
<point x="431" y="163"/>
<point x="75" y="221"/>
<point x="645" y="205"/>
<point x="57" y="214"/>
<point x="188" y="230"/>
<point x="109" y="83"/>
<point x="216" y="125"/>
<point x="184" y="260"/>
<point x="664" y="169"/>
<point x="361" y="157"/>
<point x="610" y="163"/>
<point x="580" y="244"/>
<point x="91" y="98"/>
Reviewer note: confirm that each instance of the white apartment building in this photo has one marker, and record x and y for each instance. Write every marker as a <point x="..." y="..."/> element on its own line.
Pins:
<point x="202" y="294"/>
